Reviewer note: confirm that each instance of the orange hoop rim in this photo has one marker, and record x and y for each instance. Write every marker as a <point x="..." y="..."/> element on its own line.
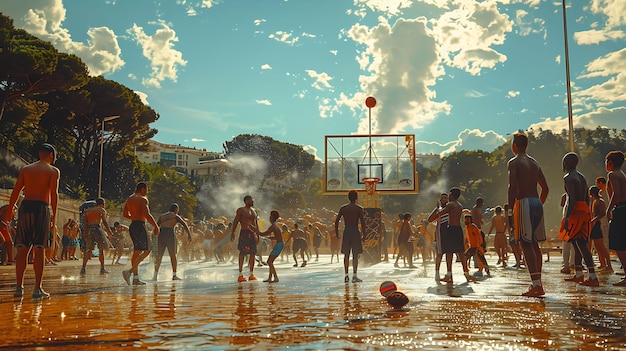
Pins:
<point x="370" y="180"/>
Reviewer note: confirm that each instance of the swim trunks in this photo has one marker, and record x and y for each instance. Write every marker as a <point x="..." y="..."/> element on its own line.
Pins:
<point x="166" y="239"/>
<point x="33" y="224"/>
<point x="596" y="231"/>
<point x="247" y="242"/>
<point x="139" y="235"/>
<point x="528" y="220"/>
<point x="277" y="249"/>
<point x="499" y="241"/>
<point x="441" y="231"/>
<point x="95" y="235"/>
<point x="65" y="241"/>
<point x="299" y="244"/>
<point x="317" y="240"/>
<point x="617" y="228"/>
<point x="351" y="241"/>
<point x="453" y="240"/>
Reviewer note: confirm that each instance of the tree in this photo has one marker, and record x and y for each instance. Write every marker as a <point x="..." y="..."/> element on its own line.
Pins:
<point x="166" y="186"/>
<point x="30" y="67"/>
<point x="283" y="159"/>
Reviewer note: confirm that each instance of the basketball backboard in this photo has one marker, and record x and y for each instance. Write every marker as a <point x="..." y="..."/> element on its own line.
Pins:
<point x="348" y="159"/>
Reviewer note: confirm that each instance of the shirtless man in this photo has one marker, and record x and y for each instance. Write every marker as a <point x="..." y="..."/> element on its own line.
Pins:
<point x="36" y="215"/>
<point x="94" y="216"/>
<point x="576" y="220"/>
<point x="440" y="232"/>
<point x="299" y="244"/>
<point x="352" y="214"/>
<point x="529" y="229"/>
<point x="247" y="217"/>
<point x="167" y="239"/>
<point x="118" y="241"/>
<point x="454" y="235"/>
<point x="616" y="210"/>
<point x="275" y="234"/>
<point x="498" y="222"/>
<point x="137" y="209"/>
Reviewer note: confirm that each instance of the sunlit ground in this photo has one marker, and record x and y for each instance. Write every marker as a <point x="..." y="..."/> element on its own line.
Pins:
<point x="310" y="308"/>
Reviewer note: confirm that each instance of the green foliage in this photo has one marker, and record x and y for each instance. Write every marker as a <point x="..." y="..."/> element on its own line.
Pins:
<point x="283" y="159"/>
<point x="289" y="200"/>
<point x="7" y="182"/>
<point x="166" y="186"/>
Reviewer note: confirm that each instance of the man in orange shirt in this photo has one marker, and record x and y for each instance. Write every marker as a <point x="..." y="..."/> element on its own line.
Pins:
<point x="475" y="239"/>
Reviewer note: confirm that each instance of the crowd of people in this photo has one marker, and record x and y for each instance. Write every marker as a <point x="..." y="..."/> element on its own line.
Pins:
<point x="594" y="220"/>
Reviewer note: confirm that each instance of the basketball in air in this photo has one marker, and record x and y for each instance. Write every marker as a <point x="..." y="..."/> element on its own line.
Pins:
<point x="397" y="300"/>
<point x="387" y="287"/>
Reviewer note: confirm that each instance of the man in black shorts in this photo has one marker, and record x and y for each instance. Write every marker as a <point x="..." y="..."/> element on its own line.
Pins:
<point x="299" y="244"/>
<point x="167" y="239"/>
<point x="138" y="211"/>
<point x="352" y="214"/>
<point x="36" y="215"/>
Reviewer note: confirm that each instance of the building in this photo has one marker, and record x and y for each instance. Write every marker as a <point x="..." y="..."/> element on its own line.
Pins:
<point x="181" y="158"/>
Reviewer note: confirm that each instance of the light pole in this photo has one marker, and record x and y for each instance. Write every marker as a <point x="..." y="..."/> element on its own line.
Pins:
<point x="570" y="118"/>
<point x="105" y="119"/>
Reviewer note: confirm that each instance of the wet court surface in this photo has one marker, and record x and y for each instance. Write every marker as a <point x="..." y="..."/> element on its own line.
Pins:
<point x="310" y="308"/>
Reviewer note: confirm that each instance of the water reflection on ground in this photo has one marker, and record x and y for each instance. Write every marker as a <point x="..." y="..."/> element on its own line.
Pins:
<point x="310" y="308"/>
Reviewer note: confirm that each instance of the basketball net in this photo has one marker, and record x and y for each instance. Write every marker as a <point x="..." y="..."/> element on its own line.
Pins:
<point x="370" y="188"/>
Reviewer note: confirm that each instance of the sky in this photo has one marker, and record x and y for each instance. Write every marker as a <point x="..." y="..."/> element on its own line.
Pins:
<point x="459" y="74"/>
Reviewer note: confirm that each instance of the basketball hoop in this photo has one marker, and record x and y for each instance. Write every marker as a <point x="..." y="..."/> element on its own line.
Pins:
<point x="370" y="185"/>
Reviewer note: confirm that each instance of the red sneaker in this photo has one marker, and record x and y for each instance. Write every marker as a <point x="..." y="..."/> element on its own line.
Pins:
<point x="241" y="279"/>
<point x="590" y="282"/>
<point x="534" y="291"/>
<point x="575" y="279"/>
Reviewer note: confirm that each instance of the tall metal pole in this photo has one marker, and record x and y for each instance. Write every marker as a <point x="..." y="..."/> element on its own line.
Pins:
<point x="570" y="118"/>
<point x="105" y="119"/>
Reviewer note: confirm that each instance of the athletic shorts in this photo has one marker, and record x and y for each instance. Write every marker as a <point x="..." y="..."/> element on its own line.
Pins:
<point x="617" y="228"/>
<point x="139" y="235"/>
<point x="499" y="241"/>
<point x="452" y="241"/>
<point x="95" y="235"/>
<point x="277" y="249"/>
<point x="299" y="244"/>
<point x="317" y="240"/>
<point x="33" y="224"/>
<point x="166" y="240"/>
<point x="247" y="242"/>
<point x="65" y="240"/>
<point x="596" y="231"/>
<point x="351" y="241"/>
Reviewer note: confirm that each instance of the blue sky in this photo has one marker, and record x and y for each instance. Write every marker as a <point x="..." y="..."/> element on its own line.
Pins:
<point x="459" y="74"/>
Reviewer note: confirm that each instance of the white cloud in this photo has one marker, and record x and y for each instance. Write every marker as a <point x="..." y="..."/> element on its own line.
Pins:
<point x="197" y="140"/>
<point x="309" y="35"/>
<point x="602" y="117"/>
<point x="465" y="36"/>
<point x="159" y="50"/>
<point x="264" y="102"/>
<point x="611" y="66"/>
<point x="191" y="12"/>
<point x="591" y="37"/>
<point x="387" y="7"/>
<point x="208" y="3"/>
<point x="474" y="139"/>
<point x="474" y="94"/>
<point x="258" y="22"/>
<point x="403" y="64"/>
<point x="266" y="66"/>
<point x="468" y="139"/>
<point x="557" y="59"/>
<point x="44" y="19"/>
<point x="321" y="80"/>
<point x="284" y="37"/>
<point x="614" y="10"/>
<point x="512" y="94"/>
<point x="532" y="25"/>
<point x="313" y="151"/>
<point x="334" y="52"/>
<point x="143" y="96"/>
